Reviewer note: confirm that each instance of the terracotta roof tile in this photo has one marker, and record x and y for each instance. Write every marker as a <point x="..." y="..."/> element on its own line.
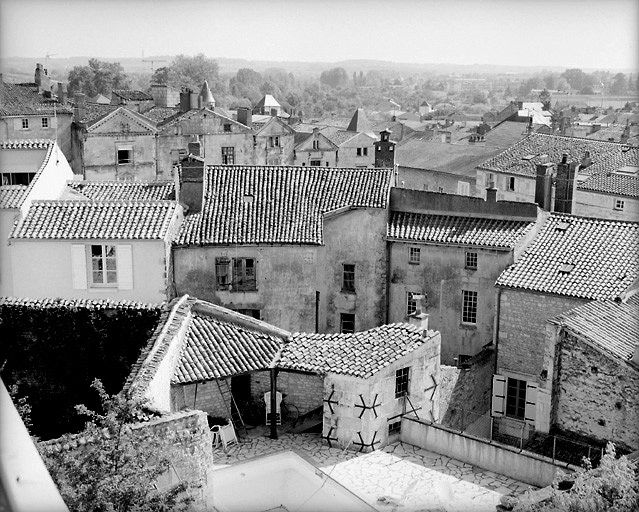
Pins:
<point x="611" y="326"/>
<point x="77" y="303"/>
<point x="125" y="190"/>
<point x="457" y="230"/>
<point x="159" y="114"/>
<point x="24" y="99"/>
<point x="257" y="204"/>
<point x="578" y="257"/>
<point x="361" y="354"/>
<point x="522" y="157"/>
<point x="603" y="176"/>
<point x="26" y="144"/>
<point x="216" y="349"/>
<point x="75" y="220"/>
<point x="132" y="95"/>
<point x="11" y="195"/>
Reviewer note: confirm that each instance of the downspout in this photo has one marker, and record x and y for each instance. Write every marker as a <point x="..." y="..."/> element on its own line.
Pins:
<point x="273" y="403"/>
<point x="157" y="152"/>
<point x="317" y="301"/>
<point x="496" y="329"/>
<point x="388" y="280"/>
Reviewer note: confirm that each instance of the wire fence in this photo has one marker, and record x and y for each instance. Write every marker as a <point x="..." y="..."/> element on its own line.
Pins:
<point x="523" y="436"/>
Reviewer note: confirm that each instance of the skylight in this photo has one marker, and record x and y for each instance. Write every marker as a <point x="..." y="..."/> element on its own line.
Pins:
<point x="566" y="268"/>
<point x="562" y="226"/>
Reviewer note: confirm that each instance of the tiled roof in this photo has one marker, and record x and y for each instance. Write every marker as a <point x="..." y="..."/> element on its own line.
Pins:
<point x="113" y="220"/>
<point x="578" y="257"/>
<point x="159" y="114"/>
<point x="603" y="177"/>
<point x="449" y="158"/>
<point x="359" y="122"/>
<point x="522" y="158"/>
<point x="26" y="144"/>
<point x="337" y="136"/>
<point x="610" y="325"/>
<point x="125" y="190"/>
<point x="216" y="349"/>
<point x="77" y="303"/>
<point x="361" y="354"/>
<point x="257" y="204"/>
<point x="94" y="111"/>
<point x="16" y="100"/>
<point x="132" y="95"/>
<point x="11" y="195"/>
<point x="468" y="230"/>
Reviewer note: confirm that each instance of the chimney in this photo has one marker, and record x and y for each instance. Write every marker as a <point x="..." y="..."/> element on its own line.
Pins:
<point x="185" y="103"/>
<point x="159" y="93"/>
<point x="529" y="128"/>
<point x="245" y="116"/>
<point x="543" y="186"/>
<point x="491" y="193"/>
<point x="194" y="100"/>
<point x="62" y="93"/>
<point x="191" y="183"/>
<point x="39" y="72"/>
<point x="565" y="185"/>
<point x="419" y="318"/>
<point x="194" y="148"/>
<point x="206" y="97"/>
<point x="80" y="110"/>
<point x="586" y="160"/>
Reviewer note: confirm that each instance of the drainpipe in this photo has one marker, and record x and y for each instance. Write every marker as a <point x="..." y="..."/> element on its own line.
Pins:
<point x="273" y="403"/>
<point x="317" y="301"/>
<point x="496" y="329"/>
<point x="388" y="279"/>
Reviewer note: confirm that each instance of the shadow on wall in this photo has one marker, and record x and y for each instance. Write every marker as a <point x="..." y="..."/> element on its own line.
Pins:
<point x="465" y="392"/>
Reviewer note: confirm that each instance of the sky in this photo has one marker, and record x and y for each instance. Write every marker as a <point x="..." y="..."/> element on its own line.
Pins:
<point x="600" y="34"/>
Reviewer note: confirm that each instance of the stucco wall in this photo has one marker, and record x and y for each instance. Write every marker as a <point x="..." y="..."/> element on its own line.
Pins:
<point x="7" y="217"/>
<point x="347" y="152"/>
<point x="441" y="275"/>
<point x="100" y="157"/>
<point x="595" y="395"/>
<point x="602" y="206"/>
<point x="524" y="186"/>
<point x="424" y="179"/>
<point x="42" y="268"/>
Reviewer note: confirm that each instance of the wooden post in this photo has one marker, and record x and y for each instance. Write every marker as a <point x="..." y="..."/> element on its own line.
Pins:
<point x="273" y="403"/>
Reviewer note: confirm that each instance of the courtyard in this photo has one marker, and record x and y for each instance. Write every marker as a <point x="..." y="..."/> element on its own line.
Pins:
<point x="397" y="477"/>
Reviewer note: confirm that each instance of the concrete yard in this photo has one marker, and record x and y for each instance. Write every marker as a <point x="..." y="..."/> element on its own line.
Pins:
<point x="398" y="477"/>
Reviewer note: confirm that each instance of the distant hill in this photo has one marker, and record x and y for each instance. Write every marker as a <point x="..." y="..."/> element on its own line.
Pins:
<point x="22" y="68"/>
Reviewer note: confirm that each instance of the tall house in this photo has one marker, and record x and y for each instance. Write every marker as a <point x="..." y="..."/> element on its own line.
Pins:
<point x="385" y="150"/>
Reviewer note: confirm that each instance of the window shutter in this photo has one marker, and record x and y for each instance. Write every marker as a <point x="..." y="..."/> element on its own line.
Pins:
<point x="124" y="258"/>
<point x="78" y="267"/>
<point x="499" y="396"/>
<point x="531" y="403"/>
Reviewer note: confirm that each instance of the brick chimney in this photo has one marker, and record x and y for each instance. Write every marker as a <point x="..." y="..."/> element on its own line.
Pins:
<point x="491" y="193"/>
<point x="543" y="186"/>
<point x="39" y="73"/>
<point x="80" y="110"/>
<point x="419" y="318"/>
<point x="62" y="93"/>
<point x="565" y="185"/>
<point x="191" y="183"/>
<point x="245" y="116"/>
<point x="586" y="160"/>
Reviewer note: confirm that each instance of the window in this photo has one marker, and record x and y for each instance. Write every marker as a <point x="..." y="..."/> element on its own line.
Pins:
<point x="274" y="142"/>
<point x="463" y="358"/>
<point x="228" y="155"/>
<point x="390" y="148"/>
<point x="359" y="151"/>
<point x="394" y="428"/>
<point x="469" y="307"/>
<point x="411" y="302"/>
<point x="316" y="144"/>
<point x="365" y="151"/>
<point x="222" y="278"/>
<point x="401" y="382"/>
<point x="490" y="179"/>
<point x="25" y="124"/>
<point x="346" y="323"/>
<point x="463" y="188"/>
<point x="471" y="260"/>
<point x="316" y="163"/>
<point x="440" y="189"/>
<point x="414" y="255"/>
<point x="348" y="281"/>
<point x="45" y="122"/>
<point x="227" y="127"/>
<point x="516" y="398"/>
<point x="244" y="274"/>
<point x="125" y="156"/>
<point x="103" y="265"/>
<point x="619" y="204"/>
<point x="511" y="183"/>
<point x="16" y="178"/>
<point x="327" y="164"/>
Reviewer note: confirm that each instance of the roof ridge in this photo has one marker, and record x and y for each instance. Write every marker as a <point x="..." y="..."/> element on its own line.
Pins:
<point x="100" y="202"/>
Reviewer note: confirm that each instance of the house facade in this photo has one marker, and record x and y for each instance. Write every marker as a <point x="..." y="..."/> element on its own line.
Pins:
<point x="301" y="248"/>
<point x="274" y="143"/>
<point x="316" y="150"/>
<point x="573" y="261"/>
<point x="449" y="250"/>
<point x="87" y="249"/>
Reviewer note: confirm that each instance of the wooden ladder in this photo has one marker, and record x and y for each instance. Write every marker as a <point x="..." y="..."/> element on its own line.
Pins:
<point x="231" y="406"/>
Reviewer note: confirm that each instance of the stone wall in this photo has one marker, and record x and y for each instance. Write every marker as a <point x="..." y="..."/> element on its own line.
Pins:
<point x="595" y="395"/>
<point x="303" y="390"/>
<point x="204" y="396"/>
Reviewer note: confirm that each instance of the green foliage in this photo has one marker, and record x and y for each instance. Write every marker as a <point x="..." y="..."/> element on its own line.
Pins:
<point x="613" y="486"/>
<point x="191" y="72"/>
<point x="54" y="353"/>
<point x="335" y="77"/>
<point x="545" y="98"/>
<point x="619" y="85"/>
<point x="116" y="470"/>
<point x="22" y="405"/>
<point x="97" y="78"/>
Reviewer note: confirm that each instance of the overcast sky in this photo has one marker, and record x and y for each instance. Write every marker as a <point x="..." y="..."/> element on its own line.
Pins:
<point x="572" y="33"/>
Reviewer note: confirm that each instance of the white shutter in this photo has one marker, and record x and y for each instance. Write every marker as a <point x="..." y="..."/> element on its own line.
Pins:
<point x="124" y="265"/>
<point x="463" y="188"/>
<point x="79" y="267"/>
<point x="498" y="403"/>
<point x="531" y="403"/>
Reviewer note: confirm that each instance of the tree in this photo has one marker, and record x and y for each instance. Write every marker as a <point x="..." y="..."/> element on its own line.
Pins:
<point x="545" y="98"/>
<point x="160" y="76"/>
<point x="98" y="77"/>
<point x="612" y="486"/>
<point x="576" y="78"/>
<point x="115" y="470"/>
<point x="619" y="84"/>
<point x="335" y="77"/>
<point x="185" y="71"/>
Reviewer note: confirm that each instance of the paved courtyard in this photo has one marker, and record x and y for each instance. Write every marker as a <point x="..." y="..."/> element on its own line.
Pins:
<point x="398" y="477"/>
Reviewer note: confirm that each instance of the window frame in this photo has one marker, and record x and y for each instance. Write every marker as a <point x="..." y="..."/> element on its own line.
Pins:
<point x="24" y="123"/>
<point x="402" y="382"/>
<point x="222" y="263"/>
<point x="122" y="161"/>
<point x="469" y="307"/>
<point x="411" y="303"/>
<point x="103" y="258"/>
<point x="45" y="123"/>
<point x="365" y="151"/>
<point x="228" y="155"/>
<point x="242" y="280"/>
<point x="344" y="319"/>
<point x="515" y="403"/>
<point x="412" y="251"/>
<point x="471" y="260"/>
<point x="359" y="152"/>
<point x="394" y="428"/>
<point x="511" y="184"/>
<point x="619" y="204"/>
<point x="315" y="163"/>
<point x="348" y="277"/>
<point x="227" y="128"/>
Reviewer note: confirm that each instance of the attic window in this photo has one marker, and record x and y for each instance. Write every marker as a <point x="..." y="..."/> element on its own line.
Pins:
<point x="562" y="226"/>
<point x="227" y="127"/>
<point x="566" y="268"/>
